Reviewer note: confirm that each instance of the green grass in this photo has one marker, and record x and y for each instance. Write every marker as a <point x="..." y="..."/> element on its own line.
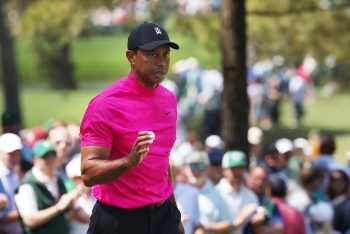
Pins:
<point x="102" y="58"/>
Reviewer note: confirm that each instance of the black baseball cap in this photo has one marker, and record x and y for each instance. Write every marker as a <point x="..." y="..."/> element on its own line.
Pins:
<point x="148" y="36"/>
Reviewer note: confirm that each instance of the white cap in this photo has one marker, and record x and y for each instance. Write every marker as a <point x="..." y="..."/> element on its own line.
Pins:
<point x="255" y="135"/>
<point x="73" y="167"/>
<point x="283" y="145"/>
<point x="303" y="144"/>
<point x="321" y="212"/>
<point x="10" y="142"/>
<point x="300" y="143"/>
<point x="214" y="141"/>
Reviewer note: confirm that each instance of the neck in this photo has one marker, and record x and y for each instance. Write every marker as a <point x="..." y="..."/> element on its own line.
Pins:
<point x="235" y="185"/>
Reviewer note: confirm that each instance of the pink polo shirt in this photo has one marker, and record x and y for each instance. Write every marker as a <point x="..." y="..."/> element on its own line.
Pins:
<point x="113" y="119"/>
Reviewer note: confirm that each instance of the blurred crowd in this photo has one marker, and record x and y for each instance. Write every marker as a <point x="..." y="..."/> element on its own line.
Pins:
<point x="41" y="190"/>
<point x="289" y="186"/>
<point x="269" y="81"/>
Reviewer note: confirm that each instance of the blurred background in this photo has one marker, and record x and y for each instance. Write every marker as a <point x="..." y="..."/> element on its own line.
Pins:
<point x="58" y="54"/>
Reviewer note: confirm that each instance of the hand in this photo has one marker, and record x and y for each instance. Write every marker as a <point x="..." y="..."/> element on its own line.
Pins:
<point x="66" y="201"/>
<point x="259" y="217"/>
<point x="3" y="200"/>
<point x="140" y="147"/>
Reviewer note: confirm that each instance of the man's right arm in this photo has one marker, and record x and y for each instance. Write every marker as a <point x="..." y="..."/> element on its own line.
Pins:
<point x="97" y="168"/>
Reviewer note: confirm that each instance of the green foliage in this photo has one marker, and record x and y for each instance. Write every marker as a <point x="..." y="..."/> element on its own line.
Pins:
<point x="204" y="28"/>
<point x="302" y="28"/>
<point x="54" y="22"/>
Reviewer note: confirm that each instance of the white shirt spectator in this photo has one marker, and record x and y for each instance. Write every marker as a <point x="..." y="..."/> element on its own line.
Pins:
<point x="236" y="200"/>
<point x="187" y="202"/>
<point x="212" y="206"/>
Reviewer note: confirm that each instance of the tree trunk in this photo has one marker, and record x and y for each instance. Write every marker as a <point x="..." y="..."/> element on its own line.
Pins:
<point x="10" y="77"/>
<point x="235" y="101"/>
<point x="61" y="74"/>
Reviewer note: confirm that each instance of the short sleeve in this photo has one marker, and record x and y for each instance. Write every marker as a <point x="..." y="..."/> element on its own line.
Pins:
<point x="96" y="129"/>
<point x="26" y="200"/>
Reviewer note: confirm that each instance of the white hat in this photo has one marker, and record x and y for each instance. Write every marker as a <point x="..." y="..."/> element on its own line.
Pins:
<point x="300" y="143"/>
<point x="73" y="167"/>
<point x="10" y="142"/>
<point x="255" y="135"/>
<point x="214" y="141"/>
<point x="321" y="212"/>
<point x="283" y="145"/>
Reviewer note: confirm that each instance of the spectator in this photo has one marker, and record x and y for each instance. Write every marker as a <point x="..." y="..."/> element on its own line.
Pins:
<point x="187" y="202"/>
<point x="79" y="222"/>
<point x="215" y="216"/>
<point x="214" y="146"/>
<point x="327" y="149"/>
<point x="257" y="182"/>
<point x="293" y="219"/>
<point x="232" y="185"/>
<point x="186" y="195"/>
<point x="60" y="138"/>
<point x="310" y="192"/>
<point x="284" y="149"/>
<point x="42" y="199"/>
<point x="10" y="155"/>
<point x="337" y="192"/>
<point x="297" y="159"/>
<point x="321" y="215"/>
<point x="297" y="90"/>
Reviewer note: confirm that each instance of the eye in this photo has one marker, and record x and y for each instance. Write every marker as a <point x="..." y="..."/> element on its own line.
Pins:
<point x="166" y="54"/>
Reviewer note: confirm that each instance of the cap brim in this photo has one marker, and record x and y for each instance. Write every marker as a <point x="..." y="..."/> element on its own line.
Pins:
<point x="155" y="44"/>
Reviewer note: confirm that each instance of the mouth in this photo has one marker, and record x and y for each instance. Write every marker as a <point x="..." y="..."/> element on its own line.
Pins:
<point x="159" y="74"/>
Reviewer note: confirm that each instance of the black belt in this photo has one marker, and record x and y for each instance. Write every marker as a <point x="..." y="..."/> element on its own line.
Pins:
<point x="153" y="206"/>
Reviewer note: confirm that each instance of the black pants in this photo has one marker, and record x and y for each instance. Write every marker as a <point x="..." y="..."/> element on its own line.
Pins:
<point x="113" y="220"/>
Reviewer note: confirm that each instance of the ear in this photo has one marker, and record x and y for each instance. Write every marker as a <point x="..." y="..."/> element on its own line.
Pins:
<point x="131" y="56"/>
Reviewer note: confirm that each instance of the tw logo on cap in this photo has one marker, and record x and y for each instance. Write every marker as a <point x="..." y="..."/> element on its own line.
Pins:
<point x="157" y="30"/>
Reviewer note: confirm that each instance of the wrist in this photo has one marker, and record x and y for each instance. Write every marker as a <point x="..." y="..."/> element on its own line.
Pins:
<point x="58" y="209"/>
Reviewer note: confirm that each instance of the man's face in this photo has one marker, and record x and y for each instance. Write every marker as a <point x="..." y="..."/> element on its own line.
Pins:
<point x="196" y="173"/>
<point x="257" y="180"/>
<point x="47" y="164"/>
<point x="12" y="159"/>
<point x="150" y="66"/>
<point x="234" y="174"/>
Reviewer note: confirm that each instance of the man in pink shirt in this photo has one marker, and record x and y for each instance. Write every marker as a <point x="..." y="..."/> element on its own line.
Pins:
<point x="127" y="133"/>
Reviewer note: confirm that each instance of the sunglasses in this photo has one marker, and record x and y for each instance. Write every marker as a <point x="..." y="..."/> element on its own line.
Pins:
<point x="198" y="167"/>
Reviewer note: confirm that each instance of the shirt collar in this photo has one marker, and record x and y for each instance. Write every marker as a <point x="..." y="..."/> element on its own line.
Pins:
<point x="3" y="169"/>
<point x="41" y="177"/>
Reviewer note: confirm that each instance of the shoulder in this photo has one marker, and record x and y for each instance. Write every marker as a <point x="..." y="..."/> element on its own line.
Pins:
<point x="166" y="91"/>
<point x="249" y="194"/>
